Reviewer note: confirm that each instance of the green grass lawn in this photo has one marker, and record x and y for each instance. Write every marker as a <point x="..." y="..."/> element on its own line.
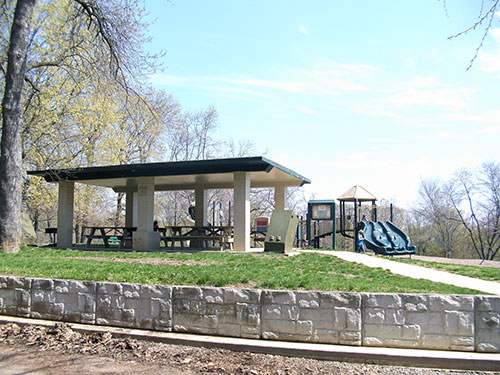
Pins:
<point x="267" y="271"/>
<point x="479" y="272"/>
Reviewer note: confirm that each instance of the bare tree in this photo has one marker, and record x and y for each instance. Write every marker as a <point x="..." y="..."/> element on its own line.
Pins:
<point x="476" y="200"/>
<point x="435" y="208"/>
<point x="420" y="232"/>
<point x="191" y="137"/>
<point x="485" y="18"/>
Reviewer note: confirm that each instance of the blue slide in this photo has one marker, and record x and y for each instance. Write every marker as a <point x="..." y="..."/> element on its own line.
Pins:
<point x="387" y="239"/>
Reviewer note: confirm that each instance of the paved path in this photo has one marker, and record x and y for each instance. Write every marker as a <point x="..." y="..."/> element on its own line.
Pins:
<point x="417" y="272"/>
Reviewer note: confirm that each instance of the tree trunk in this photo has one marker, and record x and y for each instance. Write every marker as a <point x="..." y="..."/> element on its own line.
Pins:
<point x="119" y="209"/>
<point x="77" y="233"/>
<point x="11" y="170"/>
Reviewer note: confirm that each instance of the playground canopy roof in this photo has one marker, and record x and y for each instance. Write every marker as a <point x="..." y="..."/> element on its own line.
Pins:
<point x="181" y="175"/>
<point x="357" y="193"/>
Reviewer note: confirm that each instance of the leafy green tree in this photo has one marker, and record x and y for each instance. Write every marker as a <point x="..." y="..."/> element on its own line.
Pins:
<point x="57" y="91"/>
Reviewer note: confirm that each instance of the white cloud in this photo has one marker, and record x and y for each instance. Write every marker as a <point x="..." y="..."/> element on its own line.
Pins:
<point x="423" y="92"/>
<point x="235" y="90"/>
<point x="422" y="82"/>
<point x="428" y="106"/>
<point x="336" y="69"/>
<point x="490" y="63"/>
<point x="446" y="99"/>
<point x="485" y="117"/>
<point x="170" y="80"/>
<point x="314" y="82"/>
<point x="324" y="79"/>
<point x="470" y="133"/>
<point x="328" y="78"/>
<point x="294" y="86"/>
<point x="303" y="30"/>
<point x="496" y="34"/>
<point x="384" y="176"/>
<point x="306" y="110"/>
<point x="409" y="62"/>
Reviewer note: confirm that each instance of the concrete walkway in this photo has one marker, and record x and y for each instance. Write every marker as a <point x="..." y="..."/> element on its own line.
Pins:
<point x="416" y="272"/>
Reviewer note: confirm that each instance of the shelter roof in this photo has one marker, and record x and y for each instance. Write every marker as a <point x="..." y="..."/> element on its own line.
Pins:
<point x="358" y="193"/>
<point x="180" y="175"/>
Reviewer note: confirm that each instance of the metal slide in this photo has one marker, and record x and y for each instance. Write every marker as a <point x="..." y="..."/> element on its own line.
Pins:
<point x="387" y="239"/>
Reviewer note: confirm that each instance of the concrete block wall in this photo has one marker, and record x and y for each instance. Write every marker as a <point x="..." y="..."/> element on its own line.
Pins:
<point x="447" y="322"/>
<point x="66" y="300"/>
<point x="322" y="317"/>
<point x="134" y="306"/>
<point x="15" y="296"/>
<point x="217" y="311"/>
<point x="419" y="321"/>
<point x="487" y="324"/>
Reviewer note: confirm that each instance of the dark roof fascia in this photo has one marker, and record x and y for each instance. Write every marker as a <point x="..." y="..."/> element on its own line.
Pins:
<point x="178" y="168"/>
<point x="325" y="201"/>
<point x="286" y="170"/>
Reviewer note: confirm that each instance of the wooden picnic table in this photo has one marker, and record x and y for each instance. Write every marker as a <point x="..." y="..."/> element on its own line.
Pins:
<point x="200" y="236"/>
<point x="107" y="233"/>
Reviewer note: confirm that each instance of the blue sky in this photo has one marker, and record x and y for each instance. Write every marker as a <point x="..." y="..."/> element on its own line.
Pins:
<point x="343" y="92"/>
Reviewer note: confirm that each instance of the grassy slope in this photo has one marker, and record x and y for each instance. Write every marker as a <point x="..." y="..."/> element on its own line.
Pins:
<point x="269" y="271"/>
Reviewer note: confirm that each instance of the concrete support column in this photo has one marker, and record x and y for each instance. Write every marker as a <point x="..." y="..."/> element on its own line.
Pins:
<point x="241" y="211"/>
<point x="144" y="238"/>
<point x="135" y="209"/>
<point x="129" y="209"/>
<point x="279" y="197"/>
<point x="65" y="214"/>
<point x="201" y="203"/>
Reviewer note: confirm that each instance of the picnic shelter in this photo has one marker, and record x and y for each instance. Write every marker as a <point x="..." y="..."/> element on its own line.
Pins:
<point x="140" y="181"/>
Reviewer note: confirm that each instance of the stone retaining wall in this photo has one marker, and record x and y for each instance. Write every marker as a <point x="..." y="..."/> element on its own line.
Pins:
<point x="322" y="317"/>
<point x="446" y="322"/>
<point x="419" y="321"/>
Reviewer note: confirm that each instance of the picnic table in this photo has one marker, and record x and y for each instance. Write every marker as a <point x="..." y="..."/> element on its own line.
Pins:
<point x="109" y="235"/>
<point x="198" y="236"/>
<point x="258" y="237"/>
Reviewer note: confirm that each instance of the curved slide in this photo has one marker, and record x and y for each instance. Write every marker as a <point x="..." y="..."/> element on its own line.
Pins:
<point x="387" y="239"/>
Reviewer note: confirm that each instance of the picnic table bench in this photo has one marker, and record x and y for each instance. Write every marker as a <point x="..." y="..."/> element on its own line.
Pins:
<point x="122" y="236"/>
<point x="204" y="235"/>
<point x="109" y="235"/>
<point x="222" y="240"/>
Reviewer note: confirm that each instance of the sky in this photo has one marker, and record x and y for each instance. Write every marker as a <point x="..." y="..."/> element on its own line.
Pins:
<point x="342" y="92"/>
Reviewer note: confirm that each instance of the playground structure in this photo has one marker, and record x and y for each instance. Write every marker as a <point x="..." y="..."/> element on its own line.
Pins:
<point x="383" y="238"/>
<point x="320" y="211"/>
<point x="387" y="239"/>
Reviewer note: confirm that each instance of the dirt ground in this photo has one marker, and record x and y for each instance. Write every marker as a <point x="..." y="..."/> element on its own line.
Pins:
<point x="468" y="262"/>
<point x="61" y="351"/>
<point x="465" y="262"/>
